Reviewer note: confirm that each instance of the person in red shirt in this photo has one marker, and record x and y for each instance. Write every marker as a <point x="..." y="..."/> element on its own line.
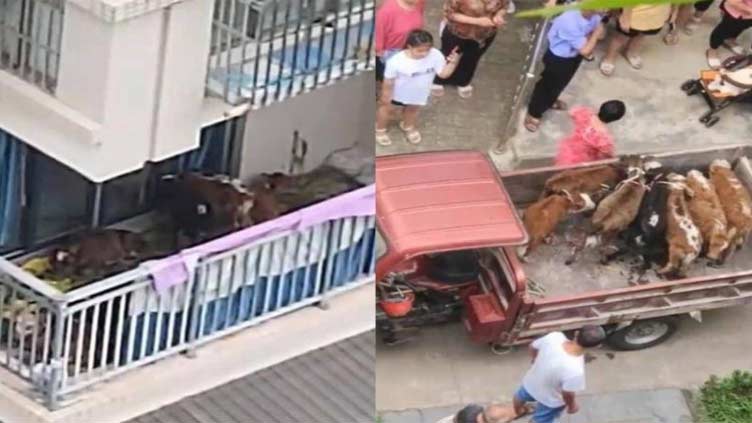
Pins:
<point x="590" y="140"/>
<point x="394" y="20"/>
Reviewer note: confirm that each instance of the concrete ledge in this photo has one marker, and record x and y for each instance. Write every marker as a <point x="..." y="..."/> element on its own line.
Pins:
<point x="151" y="387"/>
<point x="647" y="406"/>
<point x="114" y="11"/>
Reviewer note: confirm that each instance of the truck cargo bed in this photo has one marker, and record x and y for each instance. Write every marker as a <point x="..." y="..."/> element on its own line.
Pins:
<point x="547" y="269"/>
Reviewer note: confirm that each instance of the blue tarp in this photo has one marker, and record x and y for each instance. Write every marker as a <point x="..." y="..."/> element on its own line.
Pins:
<point x="12" y="157"/>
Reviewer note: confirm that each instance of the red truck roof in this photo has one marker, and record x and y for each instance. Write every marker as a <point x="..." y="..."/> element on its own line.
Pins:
<point x="442" y="201"/>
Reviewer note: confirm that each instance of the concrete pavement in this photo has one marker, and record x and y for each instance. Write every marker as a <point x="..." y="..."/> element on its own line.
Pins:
<point x="650" y="406"/>
<point x="660" y="116"/>
<point x="442" y="367"/>
<point x="450" y="122"/>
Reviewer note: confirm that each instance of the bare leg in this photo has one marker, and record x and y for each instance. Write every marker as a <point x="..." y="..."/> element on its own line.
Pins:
<point x="635" y="45"/>
<point x="410" y="116"/>
<point x="615" y="45"/>
<point x="382" y="116"/>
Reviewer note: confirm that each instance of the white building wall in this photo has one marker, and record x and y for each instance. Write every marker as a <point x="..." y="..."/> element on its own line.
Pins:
<point x="130" y="88"/>
<point x="329" y="118"/>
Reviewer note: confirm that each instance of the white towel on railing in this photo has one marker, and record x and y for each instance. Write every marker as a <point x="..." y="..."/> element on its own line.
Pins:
<point x="273" y="258"/>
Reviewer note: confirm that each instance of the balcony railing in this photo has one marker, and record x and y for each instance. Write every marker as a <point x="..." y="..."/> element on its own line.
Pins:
<point x="265" y="51"/>
<point x="30" y="35"/>
<point x="66" y="342"/>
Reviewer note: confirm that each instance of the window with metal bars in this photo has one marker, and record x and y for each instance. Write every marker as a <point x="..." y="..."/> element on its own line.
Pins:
<point x="30" y="35"/>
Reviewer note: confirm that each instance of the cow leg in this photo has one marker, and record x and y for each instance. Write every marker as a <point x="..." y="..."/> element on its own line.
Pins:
<point x="671" y="265"/>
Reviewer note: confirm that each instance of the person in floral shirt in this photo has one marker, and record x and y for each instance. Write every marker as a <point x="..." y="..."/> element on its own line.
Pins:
<point x="471" y="27"/>
<point x="591" y="139"/>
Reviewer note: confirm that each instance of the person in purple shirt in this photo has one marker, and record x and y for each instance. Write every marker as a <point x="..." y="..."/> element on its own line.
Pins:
<point x="572" y="37"/>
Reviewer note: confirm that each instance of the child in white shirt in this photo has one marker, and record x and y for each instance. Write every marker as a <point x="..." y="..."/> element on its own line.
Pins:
<point x="408" y="77"/>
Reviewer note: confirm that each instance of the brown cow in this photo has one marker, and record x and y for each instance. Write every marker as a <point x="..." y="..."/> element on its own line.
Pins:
<point x="735" y="200"/>
<point x="542" y="217"/>
<point x="97" y="253"/>
<point x="682" y="235"/>
<point x="707" y="213"/>
<point x="590" y="181"/>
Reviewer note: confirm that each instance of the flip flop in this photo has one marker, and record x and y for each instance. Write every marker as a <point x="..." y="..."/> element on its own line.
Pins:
<point x="413" y="136"/>
<point x="713" y="62"/>
<point x="465" y="92"/>
<point x="559" y="105"/>
<point x="382" y="138"/>
<point x="607" y="69"/>
<point x="532" y="124"/>
<point x="670" y="39"/>
<point x="437" y="90"/>
<point x="634" y="61"/>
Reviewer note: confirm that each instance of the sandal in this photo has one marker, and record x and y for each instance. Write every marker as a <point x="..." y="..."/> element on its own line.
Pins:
<point x="382" y="138"/>
<point x="413" y="136"/>
<point x="607" y="69"/>
<point x="465" y="92"/>
<point x="692" y="25"/>
<point x="634" y="61"/>
<point x="437" y="90"/>
<point x="734" y="47"/>
<point x="672" y="38"/>
<point x="713" y="62"/>
<point x="532" y="124"/>
<point x="559" y="105"/>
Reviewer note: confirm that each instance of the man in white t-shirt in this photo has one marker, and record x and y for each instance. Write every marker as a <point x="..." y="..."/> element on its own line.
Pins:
<point x="557" y="373"/>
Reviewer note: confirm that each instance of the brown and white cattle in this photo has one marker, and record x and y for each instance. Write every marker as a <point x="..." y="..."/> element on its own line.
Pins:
<point x="735" y="200"/>
<point x="97" y="253"/>
<point x="682" y="235"/>
<point x="707" y="213"/>
<point x="590" y="181"/>
<point x="542" y="217"/>
<point x="619" y="209"/>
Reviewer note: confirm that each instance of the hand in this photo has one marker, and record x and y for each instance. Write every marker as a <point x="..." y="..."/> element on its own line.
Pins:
<point x="599" y="30"/>
<point x="487" y="22"/>
<point x="454" y="56"/>
<point x="574" y="408"/>
<point x="498" y="20"/>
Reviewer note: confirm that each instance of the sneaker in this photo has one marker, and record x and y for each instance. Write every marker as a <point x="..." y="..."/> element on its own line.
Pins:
<point x="511" y="7"/>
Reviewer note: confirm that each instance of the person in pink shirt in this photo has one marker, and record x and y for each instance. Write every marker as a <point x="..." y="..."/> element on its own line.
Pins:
<point x="590" y="140"/>
<point x="394" y="20"/>
<point x="737" y="17"/>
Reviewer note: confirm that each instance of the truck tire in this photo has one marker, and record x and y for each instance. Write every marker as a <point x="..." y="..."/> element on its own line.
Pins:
<point x="642" y="334"/>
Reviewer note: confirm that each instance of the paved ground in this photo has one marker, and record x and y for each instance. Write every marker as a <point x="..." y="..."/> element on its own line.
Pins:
<point x="476" y="123"/>
<point x="653" y="406"/>
<point x="442" y="367"/>
<point x="659" y="116"/>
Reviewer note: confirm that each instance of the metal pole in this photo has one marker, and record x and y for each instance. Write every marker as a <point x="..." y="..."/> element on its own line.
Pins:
<point x="530" y="74"/>
<point x="57" y="365"/>
<point x="97" y="209"/>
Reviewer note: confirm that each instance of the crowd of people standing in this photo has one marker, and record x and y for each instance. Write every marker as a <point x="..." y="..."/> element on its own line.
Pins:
<point x="411" y="70"/>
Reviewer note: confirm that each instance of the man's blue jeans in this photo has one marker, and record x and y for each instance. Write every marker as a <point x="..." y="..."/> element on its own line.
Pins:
<point x="542" y="414"/>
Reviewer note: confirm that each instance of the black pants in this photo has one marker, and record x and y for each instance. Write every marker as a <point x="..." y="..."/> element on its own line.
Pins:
<point x="557" y="73"/>
<point x="380" y="67"/>
<point x="471" y="51"/>
<point x="702" y="6"/>
<point x="729" y="28"/>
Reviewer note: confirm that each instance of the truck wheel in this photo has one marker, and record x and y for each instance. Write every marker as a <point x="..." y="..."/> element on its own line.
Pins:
<point x="642" y="334"/>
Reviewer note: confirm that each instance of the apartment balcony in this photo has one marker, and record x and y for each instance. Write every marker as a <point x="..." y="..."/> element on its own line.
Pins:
<point x="104" y="86"/>
<point x="266" y="51"/>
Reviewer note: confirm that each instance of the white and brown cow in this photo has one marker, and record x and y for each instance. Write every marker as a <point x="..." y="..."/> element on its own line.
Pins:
<point x="735" y="200"/>
<point x="707" y="213"/>
<point x="682" y="235"/>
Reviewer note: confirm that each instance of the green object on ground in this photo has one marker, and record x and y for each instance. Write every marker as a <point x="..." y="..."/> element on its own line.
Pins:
<point x="727" y="400"/>
<point x="544" y="12"/>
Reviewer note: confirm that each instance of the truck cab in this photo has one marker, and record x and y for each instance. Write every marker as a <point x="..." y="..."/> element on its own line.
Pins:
<point x="449" y="229"/>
